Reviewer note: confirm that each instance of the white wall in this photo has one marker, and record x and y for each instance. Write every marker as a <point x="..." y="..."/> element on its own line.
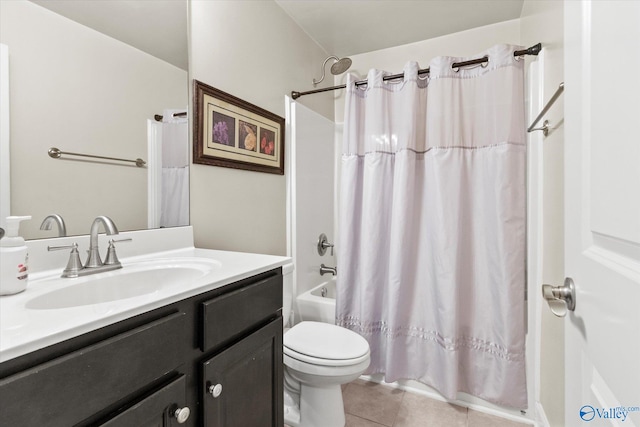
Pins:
<point x="5" y="164"/>
<point x="312" y="191"/>
<point x="80" y="91"/>
<point x="255" y="51"/>
<point x="542" y="21"/>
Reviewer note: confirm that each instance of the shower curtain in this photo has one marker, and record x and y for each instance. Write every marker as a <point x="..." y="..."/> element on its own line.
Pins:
<point x="432" y="226"/>
<point x="175" y="170"/>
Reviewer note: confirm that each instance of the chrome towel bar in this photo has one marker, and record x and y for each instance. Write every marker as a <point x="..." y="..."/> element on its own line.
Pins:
<point x="545" y="125"/>
<point x="56" y="154"/>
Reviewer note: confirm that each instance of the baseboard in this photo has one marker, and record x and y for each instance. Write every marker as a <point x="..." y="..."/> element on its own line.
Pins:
<point x="541" y="416"/>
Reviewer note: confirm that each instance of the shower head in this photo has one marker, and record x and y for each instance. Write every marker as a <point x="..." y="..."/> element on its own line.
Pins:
<point x="339" y="66"/>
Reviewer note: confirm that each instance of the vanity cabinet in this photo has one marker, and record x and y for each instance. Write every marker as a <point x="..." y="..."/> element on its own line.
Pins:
<point x="81" y="384"/>
<point x="242" y="385"/>
<point x="242" y="382"/>
<point x="148" y="369"/>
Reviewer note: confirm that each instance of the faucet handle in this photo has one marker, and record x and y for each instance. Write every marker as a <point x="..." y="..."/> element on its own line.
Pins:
<point x="59" y="248"/>
<point x="112" y="258"/>
<point x="74" y="265"/>
<point x="323" y="244"/>
<point x="112" y="241"/>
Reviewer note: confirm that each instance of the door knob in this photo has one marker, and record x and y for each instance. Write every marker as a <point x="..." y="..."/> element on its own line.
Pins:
<point x="560" y="298"/>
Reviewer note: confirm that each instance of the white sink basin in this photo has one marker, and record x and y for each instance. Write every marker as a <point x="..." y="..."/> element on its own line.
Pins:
<point x="133" y="280"/>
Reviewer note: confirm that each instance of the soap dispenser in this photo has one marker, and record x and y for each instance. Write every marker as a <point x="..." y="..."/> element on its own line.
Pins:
<point x="14" y="258"/>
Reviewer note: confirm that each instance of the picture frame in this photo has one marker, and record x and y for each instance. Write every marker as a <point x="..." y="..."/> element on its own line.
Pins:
<point x="233" y="133"/>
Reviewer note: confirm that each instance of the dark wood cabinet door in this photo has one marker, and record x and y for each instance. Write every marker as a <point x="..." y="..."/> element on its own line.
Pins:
<point x="249" y="378"/>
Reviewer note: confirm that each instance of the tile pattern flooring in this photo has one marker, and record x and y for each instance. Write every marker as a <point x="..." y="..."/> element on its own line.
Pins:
<point x="368" y="404"/>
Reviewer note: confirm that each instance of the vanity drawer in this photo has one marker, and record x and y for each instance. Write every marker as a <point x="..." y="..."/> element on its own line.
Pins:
<point x="155" y="409"/>
<point x="229" y="315"/>
<point x="73" y="387"/>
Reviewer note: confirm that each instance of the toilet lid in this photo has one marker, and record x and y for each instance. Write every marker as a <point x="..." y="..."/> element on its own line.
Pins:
<point x="325" y="341"/>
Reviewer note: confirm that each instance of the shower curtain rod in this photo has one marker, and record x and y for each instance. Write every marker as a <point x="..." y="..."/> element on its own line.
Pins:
<point x="533" y="50"/>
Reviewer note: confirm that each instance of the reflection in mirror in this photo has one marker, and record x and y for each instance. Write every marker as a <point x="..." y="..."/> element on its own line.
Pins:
<point x="83" y="91"/>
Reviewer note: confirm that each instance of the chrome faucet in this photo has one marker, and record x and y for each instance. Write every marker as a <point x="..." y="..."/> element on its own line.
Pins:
<point x="94" y="259"/>
<point x="54" y="219"/>
<point x="94" y="263"/>
<point x="324" y="269"/>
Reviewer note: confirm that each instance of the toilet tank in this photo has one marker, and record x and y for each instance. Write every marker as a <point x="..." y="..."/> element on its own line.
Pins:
<point x="287" y="293"/>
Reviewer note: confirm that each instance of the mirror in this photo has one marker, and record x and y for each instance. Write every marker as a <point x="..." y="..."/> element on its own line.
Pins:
<point x="91" y="82"/>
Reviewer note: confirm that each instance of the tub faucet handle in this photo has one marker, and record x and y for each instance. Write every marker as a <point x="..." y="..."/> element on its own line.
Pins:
<point x="323" y="244"/>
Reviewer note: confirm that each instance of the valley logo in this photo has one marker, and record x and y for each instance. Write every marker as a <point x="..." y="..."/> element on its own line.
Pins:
<point x="589" y="413"/>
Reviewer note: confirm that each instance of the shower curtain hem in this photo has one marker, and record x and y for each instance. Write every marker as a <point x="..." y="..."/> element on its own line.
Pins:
<point x="451" y="398"/>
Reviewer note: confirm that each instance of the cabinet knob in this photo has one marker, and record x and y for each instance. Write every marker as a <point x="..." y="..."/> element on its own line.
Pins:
<point x="215" y="390"/>
<point x="182" y="414"/>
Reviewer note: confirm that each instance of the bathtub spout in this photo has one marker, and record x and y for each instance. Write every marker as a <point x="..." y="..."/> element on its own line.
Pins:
<point x="324" y="269"/>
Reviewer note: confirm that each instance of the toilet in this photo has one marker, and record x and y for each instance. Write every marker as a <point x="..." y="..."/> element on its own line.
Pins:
<point x="318" y="359"/>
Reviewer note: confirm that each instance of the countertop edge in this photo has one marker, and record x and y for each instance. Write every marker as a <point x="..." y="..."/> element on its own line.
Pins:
<point x="248" y="265"/>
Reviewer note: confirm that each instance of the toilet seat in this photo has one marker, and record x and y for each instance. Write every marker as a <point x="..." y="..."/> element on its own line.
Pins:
<point x="324" y="362"/>
<point x="324" y="344"/>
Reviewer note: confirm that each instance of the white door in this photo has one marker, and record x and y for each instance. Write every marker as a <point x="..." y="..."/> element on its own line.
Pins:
<point x="602" y="208"/>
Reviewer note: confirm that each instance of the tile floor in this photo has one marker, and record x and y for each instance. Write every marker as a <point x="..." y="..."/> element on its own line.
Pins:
<point x="368" y="404"/>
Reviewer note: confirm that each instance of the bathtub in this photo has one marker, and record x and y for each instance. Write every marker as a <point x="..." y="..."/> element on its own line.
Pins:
<point x="319" y="303"/>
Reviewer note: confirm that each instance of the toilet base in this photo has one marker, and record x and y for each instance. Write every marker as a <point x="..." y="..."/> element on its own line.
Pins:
<point x="291" y="411"/>
<point x="322" y="406"/>
<point x="319" y="407"/>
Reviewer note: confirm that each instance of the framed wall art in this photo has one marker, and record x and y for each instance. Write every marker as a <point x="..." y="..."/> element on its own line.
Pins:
<point x="233" y="133"/>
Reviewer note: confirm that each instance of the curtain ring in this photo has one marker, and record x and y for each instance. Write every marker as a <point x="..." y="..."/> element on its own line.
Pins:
<point x="517" y="58"/>
<point x="456" y="69"/>
<point x="484" y="64"/>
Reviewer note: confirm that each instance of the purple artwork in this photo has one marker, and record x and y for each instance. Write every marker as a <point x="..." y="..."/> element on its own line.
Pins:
<point x="223" y="129"/>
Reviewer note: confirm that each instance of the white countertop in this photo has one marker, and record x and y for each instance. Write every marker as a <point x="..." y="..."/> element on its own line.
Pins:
<point x="23" y="330"/>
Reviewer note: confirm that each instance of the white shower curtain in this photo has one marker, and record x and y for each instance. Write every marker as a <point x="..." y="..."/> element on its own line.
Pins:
<point x="175" y="170"/>
<point x="431" y="255"/>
